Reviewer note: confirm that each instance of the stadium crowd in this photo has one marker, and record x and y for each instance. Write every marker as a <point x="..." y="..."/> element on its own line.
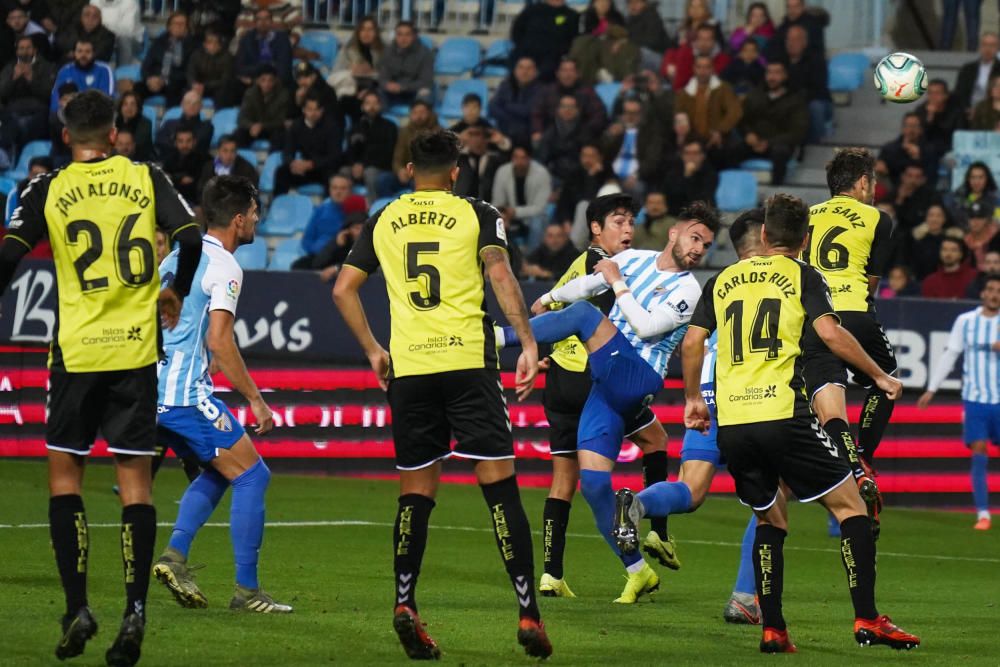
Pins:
<point x="540" y="148"/>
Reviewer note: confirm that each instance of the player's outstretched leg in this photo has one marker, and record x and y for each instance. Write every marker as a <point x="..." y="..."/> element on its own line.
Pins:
<point x="980" y="487"/>
<point x="769" y="572"/>
<point x="580" y="319"/>
<point x="654" y="470"/>
<point x="409" y="539"/>
<point x="742" y="606"/>
<point x="875" y="415"/>
<point x="840" y="433"/>
<point x="70" y="541"/>
<point x="658" y="543"/>
<point x="555" y="520"/>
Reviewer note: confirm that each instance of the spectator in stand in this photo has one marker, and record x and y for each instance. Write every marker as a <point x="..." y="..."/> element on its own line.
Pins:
<point x="521" y="191"/>
<point x="308" y="84"/>
<point x="559" y="148"/>
<point x="514" y="100"/>
<point x="36" y="167"/>
<point x="990" y="266"/>
<point x="651" y="233"/>
<point x="954" y="274"/>
<point x="544" y="32"/>
<point x="227" y="162"/>
<point x="122" y="18"/>
<point x="746" y="71"/>
<point x="925" y="249"/>
<point x="712" y="107"/>
<point x="949" y="21"/>
<point x="553" y="256"/>
<point x="184" y="164"/>
<point x="370" y="146"/>
<point x="807" y="72"/>
<point x="472" y="115"/>
<point x="336" y="251"/>
<point x="898" y="283"/>
<point x="645" y="30"/>
<point x="190" y="118"/>
<point x="689" y="178"/>
<point x="286" y="16"/>
<point x="17" y="25"/>
<point x="982" y="228"/>
<point x="210" y="72"/>
<point x="406" y="70"/>
<point x="973" y="79"/>
<point x="590" y="175"/>
<point x="681" y="131"/>
<point x="978" y="186"/>
<point x="327" y="220"/>
<point x="131" y="118"/>
<point x="634" y="146"/>
<point x="599" y="16"/>
<point x="60" y="151"/>
<point x="678" y="63"/>
<point x="87" y="26"/>
<point x="477" y="164"/>
<point x="698" y="13"/>
<point x="647" y="87"/>
<point x="592" y="112"/>
<point x="356" y="69"/>
<point x="125" y="144"/>
<point x="813" y="19"/>
<point x="264" y="45"/>
<point x="422" y="118"/>
<point x="164" y="69"/>
<point x="217" y="15"/>
<point x="912" y="197"/>
<point x="775" y="122"/>
<point x="39" y="12"/>
<point x="262" y="114"/>
<point x="312" y="149"/>
<point x="986" y="114"/>
<point x="758" y="28"/>
<point x="940" y="116"/>
<point x="85" y="72"/>
<point x="610" y="57"/>
<point x="25" y="89"/>
<point x="910" y="146"/>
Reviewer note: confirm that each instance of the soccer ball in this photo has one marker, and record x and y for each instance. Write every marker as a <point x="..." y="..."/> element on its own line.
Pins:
<point x="900" y="77"/>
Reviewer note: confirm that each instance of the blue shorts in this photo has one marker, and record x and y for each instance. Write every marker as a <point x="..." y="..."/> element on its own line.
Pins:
<point x="981" y="421"/>
<point x="623" y="384"/>
<point x="199" y="430"/>
<point x="704" y="447"/>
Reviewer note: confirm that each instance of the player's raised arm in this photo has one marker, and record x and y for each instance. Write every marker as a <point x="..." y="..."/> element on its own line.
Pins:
<point x="511" y="300"/>
<point x="175" y="217"/>
<point x="672" y="312"/>
<point x="577" y="289"/>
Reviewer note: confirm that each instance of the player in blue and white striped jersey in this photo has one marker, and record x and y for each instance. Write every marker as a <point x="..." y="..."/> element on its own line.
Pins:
<point x="976" y="335"/>
<point x="654" y="298"/>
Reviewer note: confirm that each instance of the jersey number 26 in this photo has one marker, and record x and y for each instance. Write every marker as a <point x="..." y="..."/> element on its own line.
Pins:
<point x="124" y="246"/>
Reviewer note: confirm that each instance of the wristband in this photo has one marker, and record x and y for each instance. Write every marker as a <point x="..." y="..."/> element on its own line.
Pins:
<point x="619" y="286"/>
<point x="546" y="299"/>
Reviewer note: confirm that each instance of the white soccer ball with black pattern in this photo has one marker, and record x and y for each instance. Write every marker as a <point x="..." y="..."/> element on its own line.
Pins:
<point x="900" y="77"/>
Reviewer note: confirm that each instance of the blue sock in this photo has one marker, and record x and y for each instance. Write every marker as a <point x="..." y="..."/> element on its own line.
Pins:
<point x="745" y="580"/>
<point x="664" y="498"/>
<point x="246" y="521"/>
<point x="596" y="488"/>
<point x="980" y="490"/>
<point x="197" y="504"/>
<point x="580" y="319"/>
<point x="832" y="526"/>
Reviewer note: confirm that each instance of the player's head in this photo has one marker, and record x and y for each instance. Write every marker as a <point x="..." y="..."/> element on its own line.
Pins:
<point x="786" y="220"/>
<point x="991" y="292"/>
<point x="90" y="121"/>
<point x="693" y="235"/>
<point x="852" y="172"/>
<point x="230" y="203"/>
<point x="162" y="246"/>
<point x="612" y="222"/>
<point x="434" y="157"/>
<point x="745" y="232"/>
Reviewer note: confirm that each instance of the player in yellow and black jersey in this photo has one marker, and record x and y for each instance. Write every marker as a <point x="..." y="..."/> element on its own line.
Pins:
<point x="100" y="215"/>
<point x="441" y="370"/>
<point x="761" y="307"/>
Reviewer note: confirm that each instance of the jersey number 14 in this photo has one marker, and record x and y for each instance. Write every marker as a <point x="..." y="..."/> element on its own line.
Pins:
<point x="763" y="332"/>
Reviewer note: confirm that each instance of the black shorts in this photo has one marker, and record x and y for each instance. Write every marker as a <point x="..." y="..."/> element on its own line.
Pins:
<point x="822" y="367"/>
<point x="121" y="405"/>
<point x="564" y="396"/>
<point x="428" y="409"/>
<point x="797" y="451"/>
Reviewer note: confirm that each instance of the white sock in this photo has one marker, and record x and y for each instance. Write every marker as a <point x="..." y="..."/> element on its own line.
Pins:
<point x="983" y="514"/>
<point x="636" y="566"/>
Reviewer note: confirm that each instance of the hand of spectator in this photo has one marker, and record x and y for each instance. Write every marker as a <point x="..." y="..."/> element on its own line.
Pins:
<point x="393" y="87"/>
<point x="689" y="169"/>
<point x="616" y="129"/>
<point x="342" y="237"/>
<point x="536" y="137"/>
<point x="995" y="347"/>
<point x="256" y="129"/>
<point x="751" y="140"/>
<point x="715" y="139"/>
<point x="22" y="70"/>
<point x="186" y="180"/>
<point x="631" y="182"/>
<point x="362" y="69"/>
<point x="357" y="171"/>
<point x="246" y="80"/>
<point x="913" y="150"/>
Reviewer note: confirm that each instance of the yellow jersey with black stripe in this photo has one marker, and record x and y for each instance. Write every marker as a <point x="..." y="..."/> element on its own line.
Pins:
<point x="570" y="353"/>
<point x="428" y="245"/>
<point x="100" y="217"/>
<point x="760" y="306"/>
<point x="848" y="242"/>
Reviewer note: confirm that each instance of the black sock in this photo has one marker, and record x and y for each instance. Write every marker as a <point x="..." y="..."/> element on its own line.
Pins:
<point x="409" y="539"/>
<point x="840" y="433"/>
<point x="513" y="535"/>
<point x="555" y="519"/>
<point x="70" y="540"/>
<point x="875" y="417"/>
<point x="191" y="467"/>
<point x="769" y="570"/>
<point x="138" y="544"/>
<point x="857" y="551"/>
<point x="654" y="469"/>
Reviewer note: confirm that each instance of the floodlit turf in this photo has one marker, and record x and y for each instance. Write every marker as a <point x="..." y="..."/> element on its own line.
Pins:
<point x="937" y="578"/>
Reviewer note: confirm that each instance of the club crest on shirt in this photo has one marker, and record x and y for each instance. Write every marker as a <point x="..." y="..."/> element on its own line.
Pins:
<point x="501" y="233"/>
<point x="223" y="423"/>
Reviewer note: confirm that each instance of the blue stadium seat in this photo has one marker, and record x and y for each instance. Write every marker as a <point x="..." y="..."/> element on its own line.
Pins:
<point x="762" y="164"/>
<point x="271" y="165"/>
<point x="172" y="113"/>
<point x="608" y="92"/>
<point x="261" y="145"/>
<point x="248" y="155"/>
<point x="224" y="122"/>
<point x="151" y="115"/>
<point x="501" y="48"/>
<point x="287" y="252"/>
<point x="156" y="101"/>
<point x="253" y="257"/>
<point x="31" y="150"/>
<point x="847" y="72"/>
<point x="322" y="42"/>
<point x="457" y="55"/>
<point x="737" y="190"/>
<point x="12" y="201"/>
<point x="311" y="190"/>
<point x="428" y="42"/>
<point x="7" y="185"/>
<point x="130" y="72"/>
<point x="288" y="215"/>
<point x="451" y="105"/>
<point x="379" y="204"/>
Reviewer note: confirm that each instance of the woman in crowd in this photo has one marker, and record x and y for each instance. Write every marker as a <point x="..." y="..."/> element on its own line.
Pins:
<point x="356" y="69"/>
<point x="925" y="250"/>
<point x="979" y="185"/>
<point x="758" y="27"/>
<point x="130" y="118"/>
<point x="696" y="14"/>
<point x="599" y="15"/>
<point x="986" y="114"/>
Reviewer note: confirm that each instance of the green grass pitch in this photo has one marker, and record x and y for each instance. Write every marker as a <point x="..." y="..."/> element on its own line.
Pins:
<point x="937" y="578"/>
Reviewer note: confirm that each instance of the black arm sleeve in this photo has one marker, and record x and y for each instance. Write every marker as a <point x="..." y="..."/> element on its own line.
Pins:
<point x="704" y="313"/>
<point x="362" y="255"/>
<point x="881" y="246"/>
<point x="188" y="258"/>
<point x="491" y="229"/>
<point x="816" y="299"/>
<point x="174" y="216"/>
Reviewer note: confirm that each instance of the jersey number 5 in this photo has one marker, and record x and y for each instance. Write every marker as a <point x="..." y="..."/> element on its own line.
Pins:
<point x="124" y="246"/>
<point x="427" y="296"/>
<point x="763" y="331"/>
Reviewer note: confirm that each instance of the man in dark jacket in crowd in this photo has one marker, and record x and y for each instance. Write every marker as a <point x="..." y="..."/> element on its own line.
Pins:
<point x="910" y="146"/>
<point x="690" y="177"/>
<point x="477" y="165"/>
<point x="406" y="70"/>
<point x="807" y="72"/>
<point x="559" y="147"/>
<point x="210" y="72"/>
<point x="262" y="114"/>
<point x="941" y="116"/>
<point x="227" y="162"/>
<point x="309" y="83"/>
<point x="814" y="20"/>
<point x="25" y="87"/>
<point x="184" y="164"/>
<point x="88" y="26"/>
<point x="191" y="119"/>
<point x="312" y="149"/>
<point x="370" y="146"/>
<point x="164" y="69"/>
<point x="593" y="115"/>
<point x="512" y="104"/>
<point x="544" y="32"/>
<point x="264" y="45"/>
<point x="645" y="30"/>
<point x="973" y="81"/>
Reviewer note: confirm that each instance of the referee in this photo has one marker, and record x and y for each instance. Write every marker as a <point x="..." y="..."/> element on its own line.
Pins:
<point x="441" y="370"/>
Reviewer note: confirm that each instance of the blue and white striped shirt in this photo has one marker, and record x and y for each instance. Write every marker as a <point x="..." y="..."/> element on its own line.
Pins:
<point x="973" y="335"/>
<point x="708" y="371"/>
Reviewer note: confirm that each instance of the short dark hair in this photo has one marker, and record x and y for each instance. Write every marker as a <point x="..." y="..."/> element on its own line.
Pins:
<point x="706" y="27"/>
<point x="313" y="96"/>
<point x="786" y="220"/>
<point x="741" y="231"/>
<point x="992" y="277"/>
<point x="406" y="24"/>
<point x="600" y="208"/>
<point x="522" y="147"/>
<point x="847" y="166"/>
<point x="703" y="212"/>
<point x="41" y="161"/>
<point x="266" y="68"/>
<point x="89" y="117"/>
<point x="23" y="38"/>
<point x="226" y="197"/>
<point x="472" y="97"/>
<point x="435" y="150"/>
<point x="83" y="40"/>
<point x="184" y="128"/>
<point x="227" y="139"/>
<point x="957" y="241"/>
<point x="938" y="82"/>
